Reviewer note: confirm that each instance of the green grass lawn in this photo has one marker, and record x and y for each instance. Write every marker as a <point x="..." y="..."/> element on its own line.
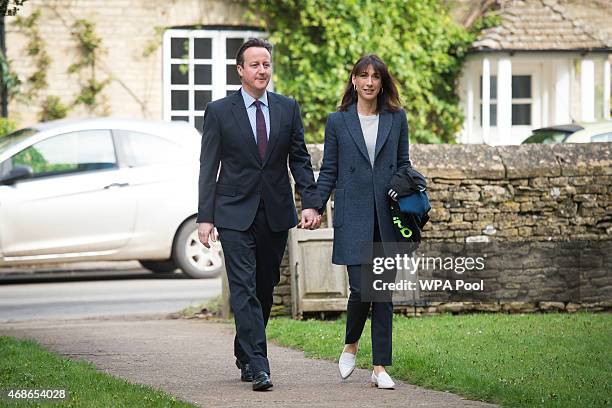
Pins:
<point x="25" y="365"/>
<point x="526" y="360"/>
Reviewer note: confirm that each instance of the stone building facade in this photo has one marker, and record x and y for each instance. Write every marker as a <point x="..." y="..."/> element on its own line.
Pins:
<point x="135" y="51"/>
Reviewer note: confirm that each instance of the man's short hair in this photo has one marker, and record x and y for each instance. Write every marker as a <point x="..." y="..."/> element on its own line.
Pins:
<point x="252" y="42"/>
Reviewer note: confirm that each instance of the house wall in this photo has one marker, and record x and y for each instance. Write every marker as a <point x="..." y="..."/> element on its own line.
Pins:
<point x="550" y="104"/>
<point x="126" y="27"/>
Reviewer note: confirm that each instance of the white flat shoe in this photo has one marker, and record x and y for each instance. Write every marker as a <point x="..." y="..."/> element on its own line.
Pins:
<point x="346" y="364"/>
<point x="383" y="381"/>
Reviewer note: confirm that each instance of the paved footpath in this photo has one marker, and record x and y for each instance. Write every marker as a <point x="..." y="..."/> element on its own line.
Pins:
<point x="192" y="359"/>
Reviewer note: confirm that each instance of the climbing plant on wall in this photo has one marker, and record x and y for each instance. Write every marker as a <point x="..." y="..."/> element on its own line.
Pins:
<point x="29" y="91"/>
<point x="36" y="50"/>
<point x="90" y="48"/>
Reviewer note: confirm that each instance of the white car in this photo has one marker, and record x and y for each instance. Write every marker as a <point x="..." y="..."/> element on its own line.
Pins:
<point x="103" y="189"/>
<point x="574" y="133"/>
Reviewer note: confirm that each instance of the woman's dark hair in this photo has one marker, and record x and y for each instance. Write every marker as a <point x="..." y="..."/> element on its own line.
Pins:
<point x="252" y="42"/>
<point x="388" y="97"/>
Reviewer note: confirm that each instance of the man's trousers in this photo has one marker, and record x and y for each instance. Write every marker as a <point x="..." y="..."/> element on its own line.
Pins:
<point x="252" y="261"/>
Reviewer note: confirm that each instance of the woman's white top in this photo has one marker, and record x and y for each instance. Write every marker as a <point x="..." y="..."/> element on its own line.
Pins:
<point x="369" y="128"/>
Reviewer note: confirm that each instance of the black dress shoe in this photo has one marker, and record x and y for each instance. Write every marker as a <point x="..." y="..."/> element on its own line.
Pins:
<point x="261" y="381"/>
<point x="246" y="374"/>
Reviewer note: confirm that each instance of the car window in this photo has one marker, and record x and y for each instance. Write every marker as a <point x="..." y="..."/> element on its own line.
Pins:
<point x="547" y="137"/>
<point x="143" y="149"/>
<point x="13" y="138"/>
<point x="69" y="153"/>
<point x="605" y="137"/>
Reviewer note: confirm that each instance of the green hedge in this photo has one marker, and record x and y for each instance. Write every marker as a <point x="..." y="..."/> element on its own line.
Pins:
<point x="318" y="41"/>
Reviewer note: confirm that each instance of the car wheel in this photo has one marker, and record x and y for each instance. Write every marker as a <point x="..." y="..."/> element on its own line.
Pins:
<point x="159" y="266"/>
<point x="192" y="257"/>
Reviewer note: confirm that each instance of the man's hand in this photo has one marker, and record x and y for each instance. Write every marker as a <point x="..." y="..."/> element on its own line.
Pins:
<point x="310" y="219"/>
<point x="207" y="230"/>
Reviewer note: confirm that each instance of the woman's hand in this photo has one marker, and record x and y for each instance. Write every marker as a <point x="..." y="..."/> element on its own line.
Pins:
<point x="311" y="219"/>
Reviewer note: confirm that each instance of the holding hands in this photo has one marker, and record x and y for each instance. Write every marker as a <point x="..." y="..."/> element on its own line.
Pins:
<point x="311" y="219"/>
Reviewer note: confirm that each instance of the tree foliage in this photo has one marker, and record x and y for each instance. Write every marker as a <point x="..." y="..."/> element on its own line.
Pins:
<point x="318" y="41"/>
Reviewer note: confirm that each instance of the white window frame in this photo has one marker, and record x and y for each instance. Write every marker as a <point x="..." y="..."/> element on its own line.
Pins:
<point x="526" y="101"/>
<point x="515" y="101"/>
<point x="218" y="62"/>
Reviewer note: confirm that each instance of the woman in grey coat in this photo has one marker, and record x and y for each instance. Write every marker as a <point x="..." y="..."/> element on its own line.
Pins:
<point x="366" y="142"/>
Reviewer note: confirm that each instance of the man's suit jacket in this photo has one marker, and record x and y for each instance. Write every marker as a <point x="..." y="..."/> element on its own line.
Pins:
<point x="244" y="179"/>
<point x="360" y="187"/>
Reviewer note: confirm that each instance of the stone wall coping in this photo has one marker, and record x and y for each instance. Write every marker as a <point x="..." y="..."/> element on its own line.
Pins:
<point x="478" y="161"/>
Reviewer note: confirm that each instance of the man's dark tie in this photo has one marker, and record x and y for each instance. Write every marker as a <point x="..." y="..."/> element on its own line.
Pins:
<point x="260" y="126"/>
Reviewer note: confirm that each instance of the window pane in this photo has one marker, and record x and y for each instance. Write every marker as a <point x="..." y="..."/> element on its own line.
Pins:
<point x="69" y="153"/>
<point x="199" y="123"/>
<point x="606" y="137"/>
<point x="142" y="149"/>
<point x="230" y="91"/>
<point x="202" y="48"/>
<point x="521" y="86"/>
<point x="180" y="118"/>
<point x="547" y="136"/>
<point x="201" y="99"/>
<point x="232" y="75"/>
<point x="180" y="89"/>
<point x="203" y="74"/>
<point x="492" y="115"/>
<point x="179" y="48"/>
<point x="493" y="84"/>
<point x="180" y="100"/>
<point x="521" y="114"/>
<point x="179" y="75"/>
<point x="232" y="45"/>
<point x="16" y="137"/>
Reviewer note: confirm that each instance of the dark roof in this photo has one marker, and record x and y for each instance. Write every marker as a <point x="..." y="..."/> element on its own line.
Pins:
<point x="550" y="25"/>
<point x="561" y="128"/>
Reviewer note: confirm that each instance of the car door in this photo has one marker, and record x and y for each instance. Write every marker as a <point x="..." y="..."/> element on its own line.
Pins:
<point x="75" y="203"/>
<point x="164" y="179"/>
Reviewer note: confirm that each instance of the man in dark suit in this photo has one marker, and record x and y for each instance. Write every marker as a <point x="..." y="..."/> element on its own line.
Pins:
<point x="252" y="134"/>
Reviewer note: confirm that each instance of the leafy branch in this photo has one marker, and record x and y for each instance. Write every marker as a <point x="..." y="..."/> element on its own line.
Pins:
<point x="9" y="78"/>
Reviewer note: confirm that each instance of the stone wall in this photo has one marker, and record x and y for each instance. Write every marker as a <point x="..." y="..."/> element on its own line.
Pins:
<point x="479" y="193"/>
<point x="527" y="192"/>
